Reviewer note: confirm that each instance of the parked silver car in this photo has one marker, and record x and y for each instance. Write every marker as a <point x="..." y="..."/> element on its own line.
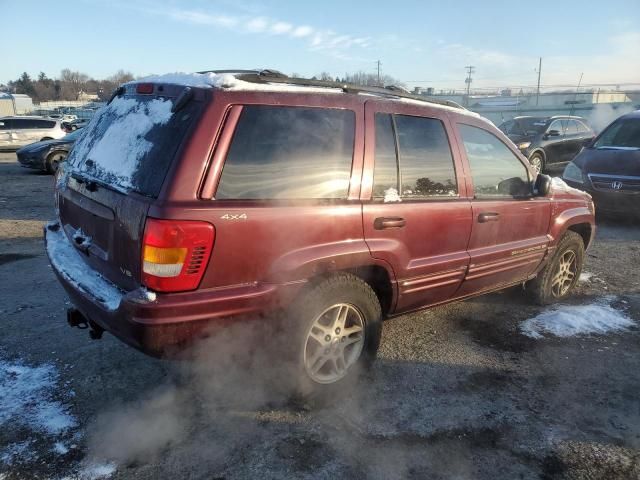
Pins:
<point x="16" y="132"/>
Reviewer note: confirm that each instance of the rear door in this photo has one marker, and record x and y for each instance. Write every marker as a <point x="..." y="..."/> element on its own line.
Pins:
<point x="555" y="145"/>
<point x="115" y="172"/>
<point x="416" y="215"/>
<point x="509" y="233"/>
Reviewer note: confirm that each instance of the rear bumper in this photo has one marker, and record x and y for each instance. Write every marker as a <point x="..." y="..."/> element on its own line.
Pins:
<point x="156" y="324"/>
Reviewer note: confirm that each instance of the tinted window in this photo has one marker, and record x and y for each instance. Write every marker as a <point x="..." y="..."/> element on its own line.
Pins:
<point x="530" y="126"/>
<point x="572" y="127"/>
<point x="44" y="124"/>
<point x="582" y="128"/>
<point x="426" y="164"/>
<point x="385" y="174"/>
<point x="20" y="123"/>
<point x="559" y="125"/>
<point x="494" y="168"/>
<point x="623" y="133"/>
<point x="289" y="152"/>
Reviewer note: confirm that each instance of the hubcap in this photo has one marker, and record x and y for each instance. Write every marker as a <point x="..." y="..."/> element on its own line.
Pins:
<point x="334" y="343"/>
<point x="55" y="161"/>
<point x="565" y="274"/>
<point x="536" y="163"/>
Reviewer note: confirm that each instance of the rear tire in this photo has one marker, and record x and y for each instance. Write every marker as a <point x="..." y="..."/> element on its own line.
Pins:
<point x="537" y="162"/>
<point x="558" y="278"/>
<point x="337" y="327"/>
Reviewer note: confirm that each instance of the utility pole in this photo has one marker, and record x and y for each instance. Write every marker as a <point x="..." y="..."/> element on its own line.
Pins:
<point x="378" y="63"/>
<point x="470" y="69"/>
<point x="539" y="72"/>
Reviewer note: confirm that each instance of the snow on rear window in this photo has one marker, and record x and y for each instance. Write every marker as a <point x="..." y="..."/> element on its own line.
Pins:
<point x="116" y="139"/>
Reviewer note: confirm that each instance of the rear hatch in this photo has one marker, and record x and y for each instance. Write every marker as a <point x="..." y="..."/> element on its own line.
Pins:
<point x="116" y="171"/>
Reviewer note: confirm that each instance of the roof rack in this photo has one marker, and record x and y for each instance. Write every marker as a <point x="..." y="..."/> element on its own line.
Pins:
<point x="274" y="76"/>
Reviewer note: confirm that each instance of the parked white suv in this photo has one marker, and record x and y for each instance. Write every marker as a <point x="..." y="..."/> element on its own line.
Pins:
<point x="16" y="132"/>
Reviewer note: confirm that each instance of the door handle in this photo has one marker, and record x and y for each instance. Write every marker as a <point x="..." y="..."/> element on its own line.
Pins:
<point x="381" y="223"/>
<point x="488" y="217"/>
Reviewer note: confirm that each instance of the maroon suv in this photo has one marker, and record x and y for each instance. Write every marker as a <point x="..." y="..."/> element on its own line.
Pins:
<point x="202" y="200"/>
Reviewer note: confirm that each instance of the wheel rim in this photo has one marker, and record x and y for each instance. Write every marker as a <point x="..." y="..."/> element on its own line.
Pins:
<point x="55" y="160"/>
<point x="536" y="163"/>
<point x="565" y="274"/>
<point x="334" y="343"/>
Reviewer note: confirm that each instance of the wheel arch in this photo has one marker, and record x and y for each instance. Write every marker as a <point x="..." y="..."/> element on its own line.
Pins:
<point x="541" y="152"/>
<point x="584" y="230"/>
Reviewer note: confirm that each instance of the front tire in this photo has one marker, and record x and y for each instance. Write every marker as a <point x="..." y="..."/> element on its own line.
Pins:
<point x="54" y="160"/>
<point x="537" y="162"/>
<point x="337" y="325"/>
<point x="557" y="280"/>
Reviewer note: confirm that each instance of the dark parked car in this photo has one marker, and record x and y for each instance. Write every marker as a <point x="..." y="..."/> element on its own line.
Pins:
<point x="193" y="202"/>
<point x="74" y="125"/>
<point x="548" y="141"/>
<point x="609" y="168"/>
<point x="48" y="154"/>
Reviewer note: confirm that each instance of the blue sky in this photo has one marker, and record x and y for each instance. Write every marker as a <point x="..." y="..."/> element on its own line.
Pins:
<point x="419" y="42"/>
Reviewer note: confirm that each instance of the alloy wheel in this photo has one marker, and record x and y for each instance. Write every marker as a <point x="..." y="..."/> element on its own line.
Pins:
<point x="565" y="274"/>
<point x="334" y="343"/>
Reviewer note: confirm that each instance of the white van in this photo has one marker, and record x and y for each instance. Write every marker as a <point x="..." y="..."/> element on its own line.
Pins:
<point x="16" y="132"/>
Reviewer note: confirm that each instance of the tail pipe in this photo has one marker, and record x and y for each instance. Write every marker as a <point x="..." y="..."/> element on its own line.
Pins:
<point x="75" y="318"/>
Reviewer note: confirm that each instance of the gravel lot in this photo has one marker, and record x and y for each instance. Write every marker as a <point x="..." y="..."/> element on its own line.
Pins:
<point x="458" y="391"/>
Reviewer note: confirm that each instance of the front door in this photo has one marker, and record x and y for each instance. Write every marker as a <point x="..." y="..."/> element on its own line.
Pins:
<point x="509" y="232"/>
<point x="417" y="217"/>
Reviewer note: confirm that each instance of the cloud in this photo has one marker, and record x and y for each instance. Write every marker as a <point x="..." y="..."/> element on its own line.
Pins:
<point x="325" y="41"/>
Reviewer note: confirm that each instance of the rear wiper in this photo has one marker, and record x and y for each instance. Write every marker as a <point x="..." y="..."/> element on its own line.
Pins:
<point x="182" y="100"/>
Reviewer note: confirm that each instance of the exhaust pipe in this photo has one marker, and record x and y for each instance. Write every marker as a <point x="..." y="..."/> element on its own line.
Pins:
<point x="75" y="318"/>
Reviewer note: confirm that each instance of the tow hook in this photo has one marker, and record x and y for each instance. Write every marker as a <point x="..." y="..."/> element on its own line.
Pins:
<point x="75" y="318"/>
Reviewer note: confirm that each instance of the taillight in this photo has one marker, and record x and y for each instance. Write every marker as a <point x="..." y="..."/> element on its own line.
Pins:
<point x="145" y="88"/>
<point x="175" y="254"/>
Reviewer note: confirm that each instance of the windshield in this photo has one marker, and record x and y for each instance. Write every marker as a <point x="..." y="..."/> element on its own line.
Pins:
<point x="624" y="133"/>
<point x="130" y="143"/>
<point x="73" y="135"/>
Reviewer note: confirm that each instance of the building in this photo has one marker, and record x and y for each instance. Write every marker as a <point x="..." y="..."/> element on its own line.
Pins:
<point x="15" y="104"/>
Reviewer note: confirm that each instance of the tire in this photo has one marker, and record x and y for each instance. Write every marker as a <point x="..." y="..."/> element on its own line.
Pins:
<point x="320" y="319"/>
<point x="551" y="286"/>
<point x="53" y="161"/>
<point x="537" y="162"/>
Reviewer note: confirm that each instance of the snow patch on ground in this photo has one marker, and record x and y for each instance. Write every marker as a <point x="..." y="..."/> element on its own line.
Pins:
<point x="585" y="277"/>
<point x="598" y="318"/>
<point x="16" y="451"/>
<point x="65" y="259"/>
<point x="26" y="399"/>
<point x="93" y="472"/>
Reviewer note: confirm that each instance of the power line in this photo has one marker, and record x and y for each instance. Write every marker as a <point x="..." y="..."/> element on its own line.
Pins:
<point x="378" y="63"/>
<point x="470" y="70"/>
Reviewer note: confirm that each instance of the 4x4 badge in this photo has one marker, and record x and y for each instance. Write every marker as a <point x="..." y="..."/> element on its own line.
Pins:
<point x="232" y="216"/>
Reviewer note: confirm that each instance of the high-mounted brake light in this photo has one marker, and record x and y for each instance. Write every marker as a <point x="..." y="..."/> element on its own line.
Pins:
<point x="175" y="254"/>
<point x="145" y="88"/>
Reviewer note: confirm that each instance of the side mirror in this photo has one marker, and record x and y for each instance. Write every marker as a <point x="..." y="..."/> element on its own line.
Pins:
<point x="542" y="185"/>
<point x="515" y="186"/>
<point x="552" y="133"/>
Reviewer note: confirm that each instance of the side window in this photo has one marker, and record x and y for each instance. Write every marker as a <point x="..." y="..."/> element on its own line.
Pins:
<point x="495" y="170"/>
<point x="19" y="124"/>
<point x="385" y="173"/>
<point x="426" y="163"/>
<point x="507" y="127"/>
<point x="582" y="128"/>
<point x="572" y="127"/>
<point x="3" y="126"/>
<point x="44" y="124"/>
<point x="559" y="125"/>
<point x="289" y="153"/>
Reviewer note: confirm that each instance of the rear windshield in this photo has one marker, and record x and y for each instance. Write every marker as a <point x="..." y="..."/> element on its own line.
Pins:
<point x="624" y="133"/>
<point x="525" y="126"/>
<point x="130" y="143"/>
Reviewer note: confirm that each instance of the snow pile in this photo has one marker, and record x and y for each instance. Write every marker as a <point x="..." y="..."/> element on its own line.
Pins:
<point x="585" y="277"/>
<point x="114" y="155"/>
<point x="67" y="261"/>
<point x="93" y="472"/>
<point x="566" y="321"/>
<point x="25" y="399"/>
<point x="559" y="185"/>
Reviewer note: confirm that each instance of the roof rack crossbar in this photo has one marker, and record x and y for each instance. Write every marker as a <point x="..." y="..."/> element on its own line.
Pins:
<point x="390" y="91"/>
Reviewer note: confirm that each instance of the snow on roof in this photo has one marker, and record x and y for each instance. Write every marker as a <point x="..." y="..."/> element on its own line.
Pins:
<point x="228" y="81"/>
